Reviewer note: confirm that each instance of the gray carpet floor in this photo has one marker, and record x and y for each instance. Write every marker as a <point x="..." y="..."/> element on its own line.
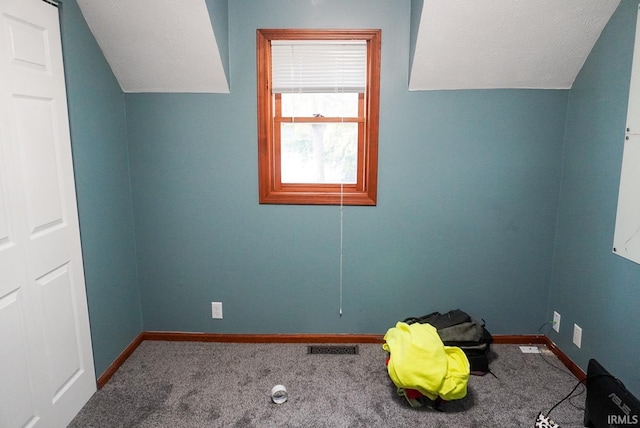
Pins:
<point x="189" y="384"/>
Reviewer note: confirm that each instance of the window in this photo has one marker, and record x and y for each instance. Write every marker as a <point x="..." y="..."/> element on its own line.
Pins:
<point x="318" y="102"/>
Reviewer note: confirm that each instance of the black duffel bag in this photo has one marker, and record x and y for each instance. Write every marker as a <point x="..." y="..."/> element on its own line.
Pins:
<point x="457" y="328"/>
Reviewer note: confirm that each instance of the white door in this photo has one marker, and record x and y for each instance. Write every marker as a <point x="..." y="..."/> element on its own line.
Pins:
<point x="46" y="363"/>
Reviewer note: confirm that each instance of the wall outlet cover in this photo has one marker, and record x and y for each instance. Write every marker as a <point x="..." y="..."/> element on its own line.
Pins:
<point x="577" y="335"/>
<point x="556" y="321"/>
<point x="216" y="310"/>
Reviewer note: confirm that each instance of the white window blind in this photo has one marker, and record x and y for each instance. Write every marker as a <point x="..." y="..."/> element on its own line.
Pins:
<point x="318" y="66"/>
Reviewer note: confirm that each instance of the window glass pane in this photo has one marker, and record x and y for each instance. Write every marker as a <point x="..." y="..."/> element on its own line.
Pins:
<point x="319" y="153"/>
<point x="325" y="104"/>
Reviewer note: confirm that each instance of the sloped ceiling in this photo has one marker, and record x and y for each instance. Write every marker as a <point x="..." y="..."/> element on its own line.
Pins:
<point x="170" y="45"/>
<point x="483" y="44"/>
<point x="158" y="45"/>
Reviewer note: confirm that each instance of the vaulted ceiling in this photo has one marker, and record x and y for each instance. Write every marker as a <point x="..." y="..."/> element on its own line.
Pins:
<point x="171" y="45"/>
<point x="479" y="44"/>
<point x="158" y="45"/>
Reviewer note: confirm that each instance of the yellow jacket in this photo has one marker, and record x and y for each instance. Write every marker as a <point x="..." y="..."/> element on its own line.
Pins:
<point x="420" y="361"/>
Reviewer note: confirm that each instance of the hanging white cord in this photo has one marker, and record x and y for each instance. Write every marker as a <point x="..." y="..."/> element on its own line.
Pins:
<point x="341" y="240"/>
<point x="341" y="196"/>
<point x="293" y="97"/>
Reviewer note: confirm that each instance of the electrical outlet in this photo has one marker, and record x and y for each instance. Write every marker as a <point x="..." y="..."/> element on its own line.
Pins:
<point x="577" y="335"/>
<point x="216" y="310"/>
<point x="556" y="321"/>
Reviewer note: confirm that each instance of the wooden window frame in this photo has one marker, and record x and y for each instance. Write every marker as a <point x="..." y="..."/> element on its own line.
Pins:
<point x="271" y="189"/>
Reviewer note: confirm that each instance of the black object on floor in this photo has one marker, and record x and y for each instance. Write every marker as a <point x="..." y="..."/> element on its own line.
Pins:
<point x="332" y="349"/>
<point x="608" y="403"/>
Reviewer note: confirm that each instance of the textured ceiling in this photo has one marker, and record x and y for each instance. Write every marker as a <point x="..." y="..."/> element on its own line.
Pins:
<point x="157" y="45"/>
<point x="484" y="44"/>
<point x="170" y="46"/>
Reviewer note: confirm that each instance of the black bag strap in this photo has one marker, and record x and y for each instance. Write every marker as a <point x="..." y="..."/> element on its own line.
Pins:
<point x="423" y="319"/>
<point x="440" y="321"/>
<point x="454" y="317"/>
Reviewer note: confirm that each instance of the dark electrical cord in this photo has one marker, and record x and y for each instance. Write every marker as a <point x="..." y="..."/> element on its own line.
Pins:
<point x="578" y="395"/>
<point x="566" y="397"/>
<point x="568" y="373"/>
<point x="545" y="324"/>
<point x="562" y="370"/>
<point x="580" y="382"/>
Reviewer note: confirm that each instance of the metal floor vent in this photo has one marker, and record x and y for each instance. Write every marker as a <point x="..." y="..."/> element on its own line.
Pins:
<point x="333" y="349"/>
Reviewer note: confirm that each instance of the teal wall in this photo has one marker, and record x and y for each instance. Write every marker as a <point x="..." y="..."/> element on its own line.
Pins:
<point x="468" y="192"/>
<point x="591" y="286"/>
<point x="97" y="119"/>
<point x="500" y="202"/>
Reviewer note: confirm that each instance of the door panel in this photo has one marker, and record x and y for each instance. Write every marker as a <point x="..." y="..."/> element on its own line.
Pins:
<point x="17" y="408"/>
<point x="5" y="239"/>
<point x="27" y="43"/>
<point x="36" y="139"/>
<point x="43" y="307"/>
<point x="61" y="337"/>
